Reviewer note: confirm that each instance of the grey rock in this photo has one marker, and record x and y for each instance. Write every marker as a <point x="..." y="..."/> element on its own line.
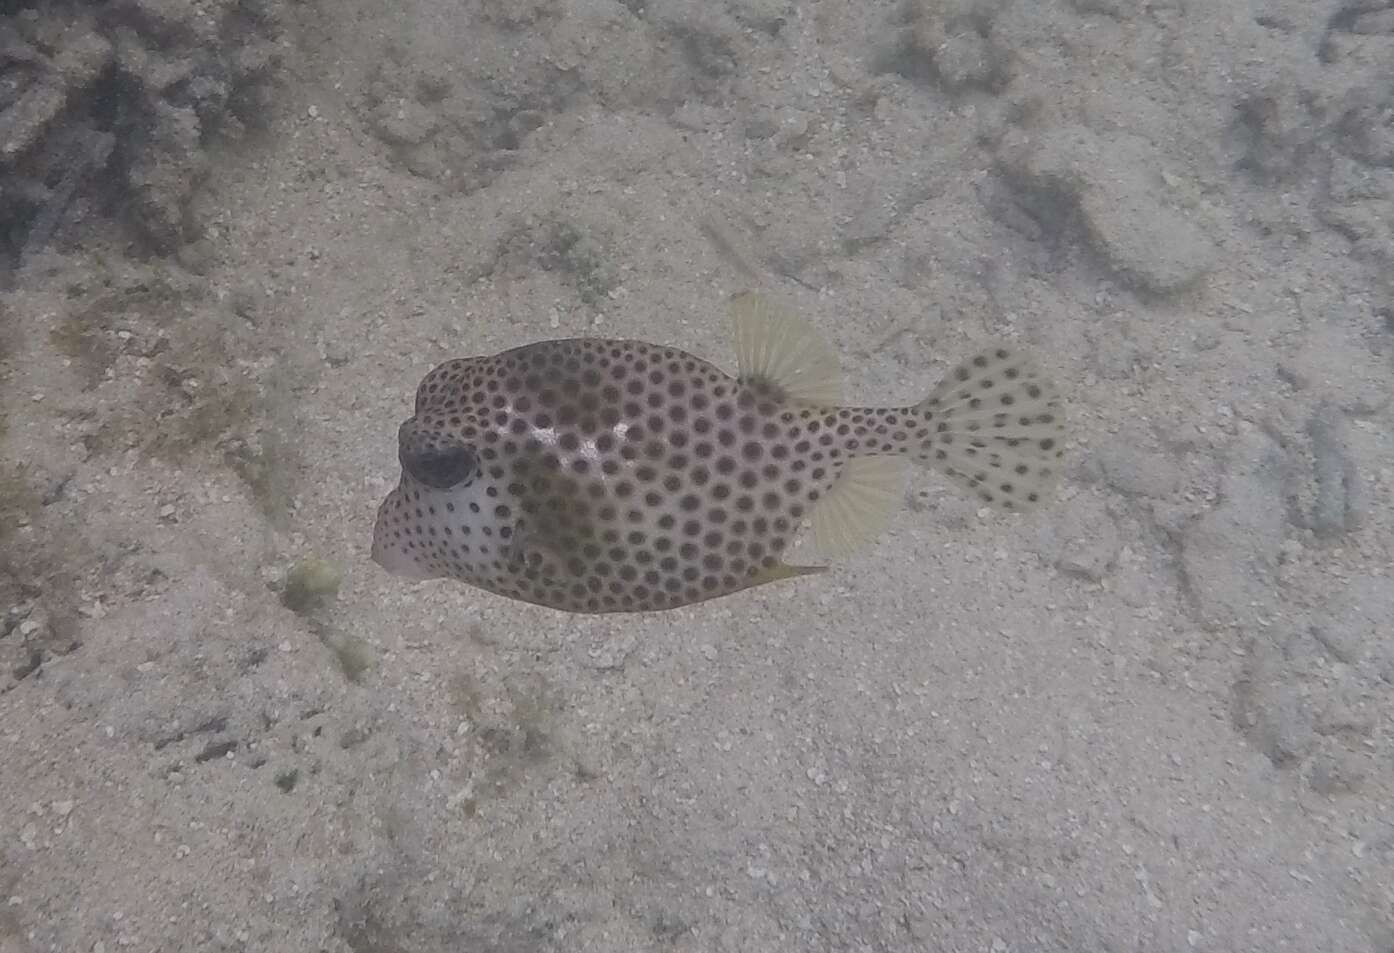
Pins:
<point x="1334" y="773"/>
<point x="84" y="55"/>
<point x="1338" y="507"/>
<point x="1167" y="256"/>
<point x="1384" y="664"/>
<point x="1347" y="713"/>
<point x="1270" y="710"/>
<point x="1111" y="184"/>
<point x="1228" y="555"/>
<point x="1366" y="129"/>
<point x="1358" y="622"/>
<point x="873" y="219"/>
<point x="404" y="122"/>
<point x="765" y="15"/>
<point x="1360" y="205"/>
<point x="1374" y="23"/>
<point x="761" y="125"/>
<point x="1133" y="472"/>
<point x="1280" y="132"/>
<point x="1118" y="9"/>
<point x="1338" y="642"/>
<point x="1339" y="371"/>
<point x="964" y="60"/>
<point x="1083" y="540"/>
<point x="1282" y="726"/>
<point x="177" y="72"/>
<point x="952" y="43"/>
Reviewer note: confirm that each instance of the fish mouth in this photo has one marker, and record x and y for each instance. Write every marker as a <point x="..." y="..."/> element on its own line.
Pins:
<point x="389" y="550"/>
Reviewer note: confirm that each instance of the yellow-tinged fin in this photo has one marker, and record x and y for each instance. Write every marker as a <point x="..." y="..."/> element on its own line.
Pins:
<point x="997" y="428"/>
<point x="859" y="506"/>
<point x="780" y="348"/>
<point x="783" y="571"/>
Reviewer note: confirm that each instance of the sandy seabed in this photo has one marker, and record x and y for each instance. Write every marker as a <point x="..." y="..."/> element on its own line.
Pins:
<point x="1156" y="715"/>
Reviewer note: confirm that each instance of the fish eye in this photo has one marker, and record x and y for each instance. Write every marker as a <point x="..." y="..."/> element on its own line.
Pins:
<point x="439" y="467"/>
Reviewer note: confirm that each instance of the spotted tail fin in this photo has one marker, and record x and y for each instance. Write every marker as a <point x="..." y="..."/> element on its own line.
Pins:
<point x="996" y="428"/>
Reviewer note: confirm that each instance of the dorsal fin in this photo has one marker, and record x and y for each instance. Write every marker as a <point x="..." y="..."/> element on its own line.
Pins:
<point x="780" y="348"/>
<point x="859" y="505"/>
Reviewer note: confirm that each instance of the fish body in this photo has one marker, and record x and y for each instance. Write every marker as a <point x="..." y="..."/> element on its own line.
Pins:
<point x="595" y="475"/>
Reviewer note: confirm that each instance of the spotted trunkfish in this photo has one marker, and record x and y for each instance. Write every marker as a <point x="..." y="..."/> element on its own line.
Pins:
<point x="595" y="475"/>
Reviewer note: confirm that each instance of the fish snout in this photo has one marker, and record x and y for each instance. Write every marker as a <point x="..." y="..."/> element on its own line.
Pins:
<point x="393" y="547"/>
<point x="433" y="458"/>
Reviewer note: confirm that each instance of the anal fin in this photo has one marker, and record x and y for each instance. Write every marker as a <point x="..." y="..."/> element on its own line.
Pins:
<point x="859" y="506"/>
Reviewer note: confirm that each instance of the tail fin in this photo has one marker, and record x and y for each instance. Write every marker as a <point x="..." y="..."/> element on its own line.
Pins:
<point x="995" y="429"/>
